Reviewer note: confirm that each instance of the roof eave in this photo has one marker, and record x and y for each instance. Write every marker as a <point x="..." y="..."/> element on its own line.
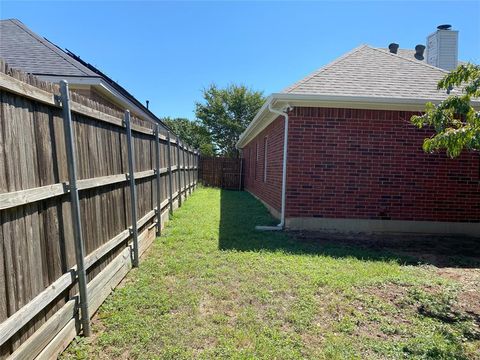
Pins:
<point x="370" y="101"/>
<point x="257" y="121"/>
<point x="106" y="89"/>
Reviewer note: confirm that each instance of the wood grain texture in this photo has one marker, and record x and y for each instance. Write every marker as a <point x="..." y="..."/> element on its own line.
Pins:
<point x="18" y="87"/>
<point x="38" y="341"/>
<point x="27" y="312"/>
<point x="99" y="289"/>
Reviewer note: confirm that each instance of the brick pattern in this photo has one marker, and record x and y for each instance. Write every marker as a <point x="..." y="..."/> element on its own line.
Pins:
<point x="270" y="190"/>
<point x="369" y="164"/>
<point x="364" y="164"/>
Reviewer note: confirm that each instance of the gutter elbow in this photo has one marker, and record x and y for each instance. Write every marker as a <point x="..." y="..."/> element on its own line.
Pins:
<point x="283" y="112"/>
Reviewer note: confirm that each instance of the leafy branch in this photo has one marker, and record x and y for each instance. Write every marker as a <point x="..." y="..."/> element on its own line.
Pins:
<point x="455" y="121"/>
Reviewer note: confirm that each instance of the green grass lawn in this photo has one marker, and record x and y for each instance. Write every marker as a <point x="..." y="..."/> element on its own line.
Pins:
<point x="212" y="287"/>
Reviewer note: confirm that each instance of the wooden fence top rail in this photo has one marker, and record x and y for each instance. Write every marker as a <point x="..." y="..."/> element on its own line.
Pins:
<point x="21" y="88"/>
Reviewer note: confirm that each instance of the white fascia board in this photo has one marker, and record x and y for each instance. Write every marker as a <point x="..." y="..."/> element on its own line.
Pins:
<point x="78" y="82"/>
<point x="264" y="117"/>
<point x="245" y="137"/>
<point x="107" y="88"/>
<point x="73" y="80"/>
<point x="362" y="102"/>
<point x="368" y="102"/>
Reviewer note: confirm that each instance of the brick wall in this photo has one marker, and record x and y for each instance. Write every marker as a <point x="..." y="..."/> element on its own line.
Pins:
<point x="96" y="96"/>
<point x="270" y="190"/>
<point x="369" y="164"/>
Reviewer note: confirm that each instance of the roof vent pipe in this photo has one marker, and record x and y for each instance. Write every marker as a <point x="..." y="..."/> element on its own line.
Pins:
<point x="393" y="47"/>
<point x="148" y="102"/>
<point x="419" y="49"/>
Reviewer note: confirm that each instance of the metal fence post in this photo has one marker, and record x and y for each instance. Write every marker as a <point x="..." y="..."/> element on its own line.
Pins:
<point x="195" y="168"/>
<point x="189" y="158"/>
<point x="185" y="169"/>
<point x="75" y="203"/>
<point x="197" y="175"/>
<point x="159" y="198"/>
<point x="179" y="174"/>
<point x="133" y="189"/>
<point x="170" y="191"/>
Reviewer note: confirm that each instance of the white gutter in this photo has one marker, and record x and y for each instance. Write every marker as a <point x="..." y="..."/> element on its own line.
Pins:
<point x="283" y="113"/>
<point x="125" y="101"/>
<point x="389" y="100"/>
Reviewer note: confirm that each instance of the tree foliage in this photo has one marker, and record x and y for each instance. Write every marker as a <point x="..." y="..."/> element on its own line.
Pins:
<point x="193" y="133"/>
<point x="226" y="113"/>
<point x="455" y="121"/>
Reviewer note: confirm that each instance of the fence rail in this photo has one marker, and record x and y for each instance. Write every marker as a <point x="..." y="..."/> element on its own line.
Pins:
<point x="39" y="277"/>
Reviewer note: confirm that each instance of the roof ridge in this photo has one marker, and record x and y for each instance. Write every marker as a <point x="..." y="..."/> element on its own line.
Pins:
<point x="323" y="68"/>
<point x="48" y="44"/>
<point x="408" y="59"/>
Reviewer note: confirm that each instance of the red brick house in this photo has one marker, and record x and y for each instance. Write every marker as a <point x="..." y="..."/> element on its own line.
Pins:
<point x="353" y="161"/>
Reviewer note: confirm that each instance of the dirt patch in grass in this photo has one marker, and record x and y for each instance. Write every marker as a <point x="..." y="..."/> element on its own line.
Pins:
<point x="465" y="302"/>
<point x="389" y="312"/>
<point x="453" y="257"/>
<point x="468" y="299"/>
<point x="372" y="305"/>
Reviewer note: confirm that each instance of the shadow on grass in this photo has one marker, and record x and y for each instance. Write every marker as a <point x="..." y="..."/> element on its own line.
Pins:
<point x="241" y="212"/>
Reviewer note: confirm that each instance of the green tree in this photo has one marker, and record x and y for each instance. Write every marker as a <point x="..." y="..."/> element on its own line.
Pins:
<point x="193" y="133"/>
<point x="226" y="113"/>
<point x="455" y="121"/>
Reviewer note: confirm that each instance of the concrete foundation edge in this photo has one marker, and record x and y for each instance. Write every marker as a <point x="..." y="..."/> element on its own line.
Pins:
<point x="393" y="226"/>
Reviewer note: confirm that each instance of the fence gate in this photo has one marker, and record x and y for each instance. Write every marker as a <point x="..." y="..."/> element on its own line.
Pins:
<point x="222" y="172"/>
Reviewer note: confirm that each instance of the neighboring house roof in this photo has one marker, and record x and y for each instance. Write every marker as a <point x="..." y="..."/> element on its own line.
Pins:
<point x="23" y="49"/>
<point x="115" y="85"/>
<point x="364" y="78"/>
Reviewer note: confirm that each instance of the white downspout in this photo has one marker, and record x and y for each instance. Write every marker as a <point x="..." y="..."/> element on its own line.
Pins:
<point x="283" y="113"/>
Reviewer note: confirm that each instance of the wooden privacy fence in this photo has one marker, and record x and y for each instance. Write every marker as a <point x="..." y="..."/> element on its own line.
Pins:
<point x="222" y="172"/>
<point x="125" y="175"/>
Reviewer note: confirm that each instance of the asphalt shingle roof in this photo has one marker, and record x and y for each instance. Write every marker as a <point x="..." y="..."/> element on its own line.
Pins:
<point x="23" y="49"/>
<point x="373" y="72"/>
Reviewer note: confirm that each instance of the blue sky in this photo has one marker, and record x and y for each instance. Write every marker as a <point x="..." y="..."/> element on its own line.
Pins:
<point x="167" y="52"/>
